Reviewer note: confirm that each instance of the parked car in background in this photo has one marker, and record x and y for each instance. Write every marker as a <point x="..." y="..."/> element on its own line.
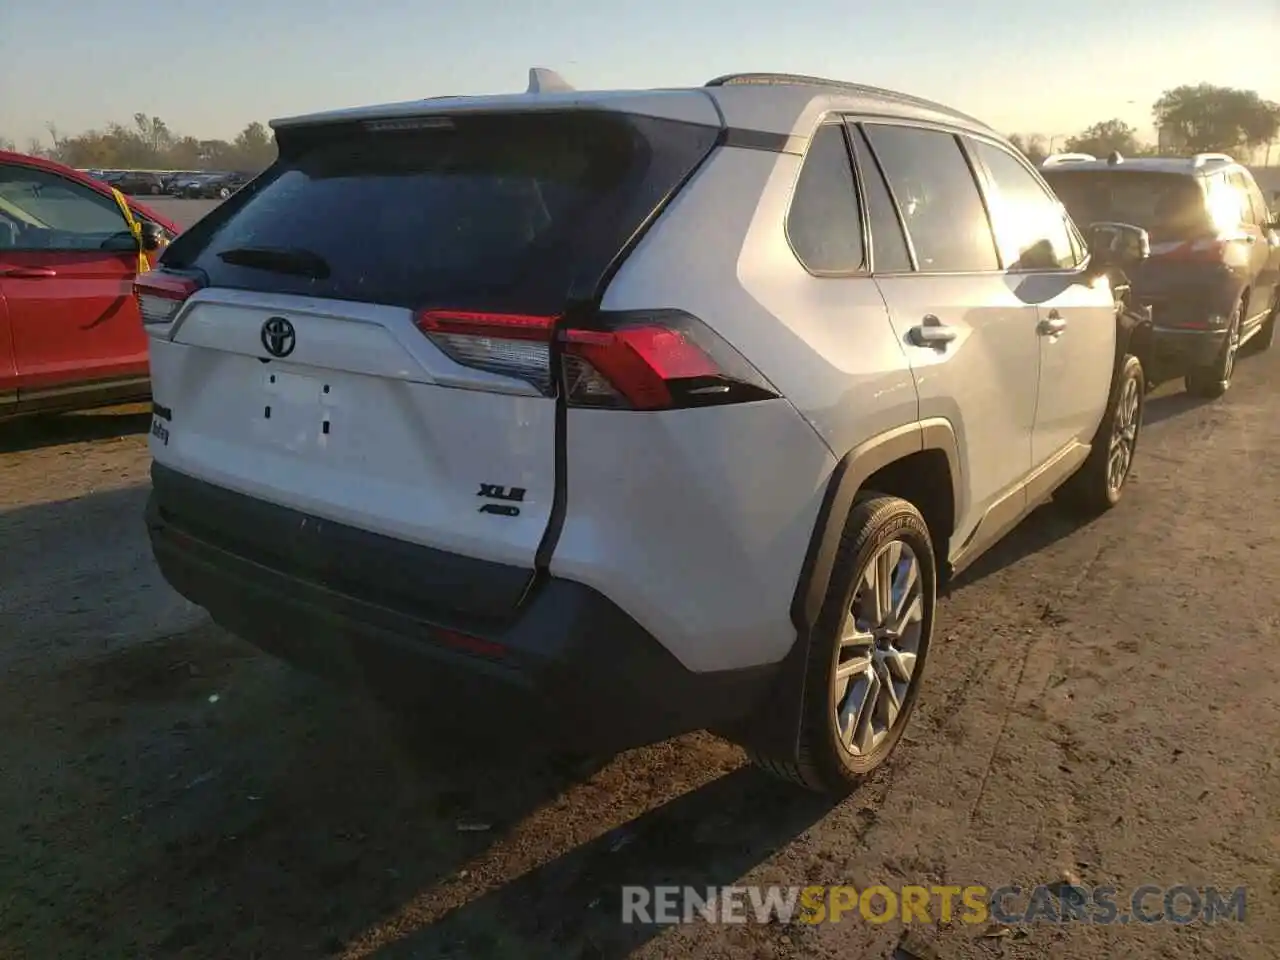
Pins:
<point x="211" y="186"/>
<point x="1213" y="278"/>
<point x="135" y="182"/>
<point x="70" y="332"/>
<point x="893" y="345"/>
<point x="221" y="186"/>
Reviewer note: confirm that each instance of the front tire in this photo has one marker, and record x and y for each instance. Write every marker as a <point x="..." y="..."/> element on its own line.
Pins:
<point x="1099" y="483"/>
<point x="868" y="648"/>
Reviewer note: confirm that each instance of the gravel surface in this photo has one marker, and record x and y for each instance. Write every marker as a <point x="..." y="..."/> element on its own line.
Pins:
<point x="1102" y="702"/>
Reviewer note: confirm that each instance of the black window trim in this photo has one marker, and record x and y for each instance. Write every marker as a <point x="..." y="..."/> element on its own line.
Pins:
<point x="957" y="134"/>
<point x="864" y="266"/>
<point x="850" y="126"/>
<point x="987" y="183"/>
<point x="128" y="251"/>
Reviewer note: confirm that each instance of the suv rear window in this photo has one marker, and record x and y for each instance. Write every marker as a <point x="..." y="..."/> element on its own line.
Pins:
<point x="493" y="208"/>
<point x="1169" y="206"/>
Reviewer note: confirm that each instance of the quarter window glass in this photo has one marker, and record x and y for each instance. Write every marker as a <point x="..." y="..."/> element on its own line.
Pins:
<point x="824" y="222"/>
<point x="888" y="245"/>
<point x="43" y="211"/>
<point x="938" y="197"/>
<point x="1241" y="186"/>
<point x="1031" y="223"/>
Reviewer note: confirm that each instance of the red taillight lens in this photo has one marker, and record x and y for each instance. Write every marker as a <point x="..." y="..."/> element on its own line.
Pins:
<point x="509" y="344"/>
<point x="645" y="360"/>
<point x="1205" y="250"/>
<point x="160" y="295"/>
<point x="655" y="360"/>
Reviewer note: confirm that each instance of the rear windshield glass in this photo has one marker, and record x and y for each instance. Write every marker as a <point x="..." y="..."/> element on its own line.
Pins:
<point x="490" y="205"/>
<point x="1166" y="205"/>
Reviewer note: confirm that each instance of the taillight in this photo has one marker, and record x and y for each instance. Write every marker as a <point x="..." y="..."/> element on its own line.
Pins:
<point x="1206" y="250"/>
<point x="160" y="295"/>
<point x="634" y="360"/>
<point x="511" y="344"/>
<point x="655" y="360"/>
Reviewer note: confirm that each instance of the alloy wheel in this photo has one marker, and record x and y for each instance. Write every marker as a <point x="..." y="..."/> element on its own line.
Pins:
<point x="879" y="649"/>
<point x="1124" y="435"/>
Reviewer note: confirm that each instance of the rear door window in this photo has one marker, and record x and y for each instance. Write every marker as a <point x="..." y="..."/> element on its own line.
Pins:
<point x="497" y="208"/>
<point x="889" y="252"/>
<point x="824" y="223"/>
<point x="935" y="189"/>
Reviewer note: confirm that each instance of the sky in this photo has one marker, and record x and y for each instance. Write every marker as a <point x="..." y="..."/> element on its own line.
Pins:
<point x="208" y="67"/>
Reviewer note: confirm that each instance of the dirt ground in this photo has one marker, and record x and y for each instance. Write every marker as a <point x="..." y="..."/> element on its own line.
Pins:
<point x="1102" y="701"/>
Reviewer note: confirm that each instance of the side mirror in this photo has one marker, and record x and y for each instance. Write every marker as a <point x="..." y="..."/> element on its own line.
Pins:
<point x="1117" y="244"/>
<point x="152" y="236"/>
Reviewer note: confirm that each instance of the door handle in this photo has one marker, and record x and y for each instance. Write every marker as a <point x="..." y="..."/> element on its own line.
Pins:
<point x="931" y="332"/>
<point x="28" y="273"/>
<point x="1052" y="325"/>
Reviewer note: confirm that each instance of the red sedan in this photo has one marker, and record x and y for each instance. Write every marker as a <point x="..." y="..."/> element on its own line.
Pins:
<point x="70" y="334"/>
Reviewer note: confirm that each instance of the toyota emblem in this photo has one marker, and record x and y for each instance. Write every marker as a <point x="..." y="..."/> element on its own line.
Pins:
<point x="278" y="337"/>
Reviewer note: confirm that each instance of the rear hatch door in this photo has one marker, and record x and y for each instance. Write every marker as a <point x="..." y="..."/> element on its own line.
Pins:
<point x="312" y="368"/>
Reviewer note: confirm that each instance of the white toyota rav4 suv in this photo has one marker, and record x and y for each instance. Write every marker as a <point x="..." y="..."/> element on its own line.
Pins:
<point x="659" y="410"/>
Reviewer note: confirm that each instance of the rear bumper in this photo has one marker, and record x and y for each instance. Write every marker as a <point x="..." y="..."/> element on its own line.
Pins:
<point x="1175" y="351"/>
<point x="567" y="654"/>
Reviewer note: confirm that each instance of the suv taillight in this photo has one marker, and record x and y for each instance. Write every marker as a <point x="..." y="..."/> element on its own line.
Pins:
<point x="1204" y="250"/>
<point x="160" y="295"/>
<point x="632" y="360"/>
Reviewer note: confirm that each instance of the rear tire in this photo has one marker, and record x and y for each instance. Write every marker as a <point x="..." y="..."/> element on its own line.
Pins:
<point x="1099" y="483"/>
<point x="1213" y="381"/>
<point x="868" y="649"/>
<point x="1266" y="335"/>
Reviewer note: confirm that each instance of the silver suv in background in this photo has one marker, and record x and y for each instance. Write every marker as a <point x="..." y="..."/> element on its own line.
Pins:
<point x="661" y="410"/>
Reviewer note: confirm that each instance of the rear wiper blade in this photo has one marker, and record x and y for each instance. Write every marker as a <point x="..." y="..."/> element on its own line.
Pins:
<point x="295" y="260"/>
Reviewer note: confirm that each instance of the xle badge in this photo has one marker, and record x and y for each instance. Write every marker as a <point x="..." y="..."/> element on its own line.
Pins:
<point x="495" y="491"/>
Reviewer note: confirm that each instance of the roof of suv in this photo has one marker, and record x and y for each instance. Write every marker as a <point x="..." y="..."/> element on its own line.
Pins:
<point x="1200" y="165"/>
<point x="776" y="103"/>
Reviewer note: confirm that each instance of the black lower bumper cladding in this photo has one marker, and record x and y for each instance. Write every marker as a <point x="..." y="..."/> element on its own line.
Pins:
<point x="411" y="624"/>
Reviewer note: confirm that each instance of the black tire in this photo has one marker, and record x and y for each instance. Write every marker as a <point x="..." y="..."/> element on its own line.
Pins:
<point x="1213" y="381"/>
<point x="1092" y="490"/>
<point x="822" y="762"/>
<point x="1266" y="336"/>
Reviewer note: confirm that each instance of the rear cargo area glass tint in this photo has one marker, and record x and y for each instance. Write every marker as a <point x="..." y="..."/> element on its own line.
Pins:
<point x="500" y="210"/>
<point x="1168" y="206"/>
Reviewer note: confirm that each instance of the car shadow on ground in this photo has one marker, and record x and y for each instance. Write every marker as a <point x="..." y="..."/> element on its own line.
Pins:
<point x="1042" y="528"/>
<point x="170" y="791"/>
<point x="51" y="430"/>
<point x="1167" y="405"/>
<point x="574" y="905"/>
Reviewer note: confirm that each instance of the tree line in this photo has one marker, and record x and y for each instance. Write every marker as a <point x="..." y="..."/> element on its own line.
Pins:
<point x="1199" y="118"/>
<point x="149" y="144"/>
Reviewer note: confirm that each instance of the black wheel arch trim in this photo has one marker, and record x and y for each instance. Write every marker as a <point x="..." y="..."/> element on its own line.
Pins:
<point x="776" y="730"/>
<point x="853" y="470"/>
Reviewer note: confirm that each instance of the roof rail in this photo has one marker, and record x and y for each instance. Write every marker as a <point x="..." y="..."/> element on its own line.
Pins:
<point x="797" y="79"/>
<point x="1056" y="158"/>
<point x="1200" y="159"/>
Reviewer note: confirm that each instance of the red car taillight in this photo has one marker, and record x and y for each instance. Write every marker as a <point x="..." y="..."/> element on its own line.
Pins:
<point x="160" y="295"/>
<point x="641" y="360"/>
<point x="1205" y="250"/>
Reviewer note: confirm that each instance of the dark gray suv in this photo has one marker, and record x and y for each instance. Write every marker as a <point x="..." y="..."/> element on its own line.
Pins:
<point x="1213" y="277"/>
